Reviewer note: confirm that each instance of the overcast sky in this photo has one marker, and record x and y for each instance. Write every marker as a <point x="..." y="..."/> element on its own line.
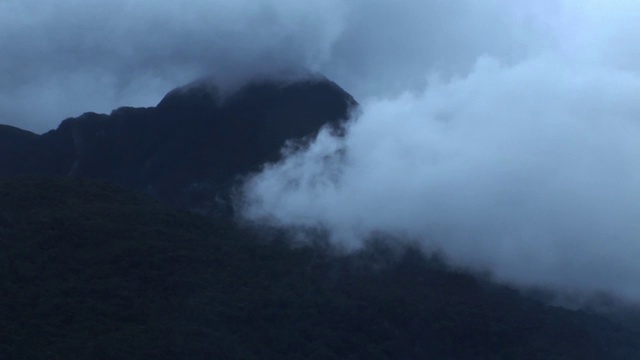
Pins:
<point x="503" y="132"/>
<point x="63" y="58"/>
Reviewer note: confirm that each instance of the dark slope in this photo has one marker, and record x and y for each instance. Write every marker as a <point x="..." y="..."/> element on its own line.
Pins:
<point x="187" y="150"/>
<point x="91" y="271"/>
<point x="16" y="146"/>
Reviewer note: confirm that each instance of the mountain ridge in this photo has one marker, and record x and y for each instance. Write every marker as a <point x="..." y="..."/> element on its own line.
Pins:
<point x="191" y="140"/>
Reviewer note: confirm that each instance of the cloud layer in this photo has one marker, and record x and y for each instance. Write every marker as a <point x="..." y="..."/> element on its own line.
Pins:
<point x="502" y="132"/>
<point x="529" y="169"/>
<point x="61" y="59"/>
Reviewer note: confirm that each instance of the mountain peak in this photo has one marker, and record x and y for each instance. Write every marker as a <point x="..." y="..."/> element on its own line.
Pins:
<point x="199" y="93"/>
<point x="190" y="148"/>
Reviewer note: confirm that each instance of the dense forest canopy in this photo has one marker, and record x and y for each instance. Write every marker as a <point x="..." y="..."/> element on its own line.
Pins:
<point x="91" y="270"/>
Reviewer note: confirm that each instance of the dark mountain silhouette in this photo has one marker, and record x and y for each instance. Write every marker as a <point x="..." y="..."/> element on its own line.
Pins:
<point x="188" y="149"/>
<point x="89" y="270"/>
<point x="16" y="147"/>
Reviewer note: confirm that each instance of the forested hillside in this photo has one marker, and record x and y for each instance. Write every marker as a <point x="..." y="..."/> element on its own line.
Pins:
<point x="89" y="270"/>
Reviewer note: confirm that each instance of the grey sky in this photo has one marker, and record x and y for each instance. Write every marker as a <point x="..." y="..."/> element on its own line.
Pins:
<point x="62" y="58"/>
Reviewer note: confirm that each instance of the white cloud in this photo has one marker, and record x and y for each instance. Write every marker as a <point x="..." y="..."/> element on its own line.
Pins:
<point x="504" y="132"/>
<point x="530" y="171"/>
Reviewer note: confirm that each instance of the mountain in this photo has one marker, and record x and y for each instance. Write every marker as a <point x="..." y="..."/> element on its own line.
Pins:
<point x="16" y="146"/>
<point x="189" y="149"/>
<point x="89" y="270"/>
<point x="94" y="264"/>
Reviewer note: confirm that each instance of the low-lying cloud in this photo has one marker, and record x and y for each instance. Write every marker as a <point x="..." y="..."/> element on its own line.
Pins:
<point x="527" y="169"/>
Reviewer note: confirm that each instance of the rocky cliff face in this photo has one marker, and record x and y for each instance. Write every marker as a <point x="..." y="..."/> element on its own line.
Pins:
<point x="190" y="148"/>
